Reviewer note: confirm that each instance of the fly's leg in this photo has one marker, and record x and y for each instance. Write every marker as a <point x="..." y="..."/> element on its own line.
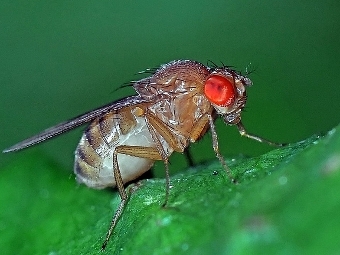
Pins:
<point x="158" y="129"/>
<point x="123" y="199"/>
<point x="136" y="151"/>
<point x="215" y="146"/>
<point x="164" y="157"/>
<point x="243" y="132"/>
<point x="199" y="128"/>
<point x="196" y="133"/>
<point x="188" y="157"/>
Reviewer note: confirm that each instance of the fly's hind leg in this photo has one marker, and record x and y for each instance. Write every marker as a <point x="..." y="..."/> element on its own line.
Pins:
<point x="123" y="199"/>
<point x="243" y="132"/>
<point x="136" y="151"/>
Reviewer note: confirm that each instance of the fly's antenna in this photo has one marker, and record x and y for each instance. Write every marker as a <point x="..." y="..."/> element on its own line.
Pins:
<point x="250" y="68"/>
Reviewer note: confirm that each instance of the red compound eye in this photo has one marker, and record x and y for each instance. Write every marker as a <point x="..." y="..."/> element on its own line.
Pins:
<point x="219" y="90"/>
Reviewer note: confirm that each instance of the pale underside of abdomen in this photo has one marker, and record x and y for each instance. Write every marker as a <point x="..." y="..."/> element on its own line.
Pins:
<point x="94" y="154"/>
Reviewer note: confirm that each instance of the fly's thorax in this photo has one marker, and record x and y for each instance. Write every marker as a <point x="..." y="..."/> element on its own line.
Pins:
<point x="178" y="76"/>
<point x="175" y="93"/>
<point x="179" y="113"/>
<point x="94" y="154"/>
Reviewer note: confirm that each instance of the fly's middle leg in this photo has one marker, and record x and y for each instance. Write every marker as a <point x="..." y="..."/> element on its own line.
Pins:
<point x="157" y="128"/>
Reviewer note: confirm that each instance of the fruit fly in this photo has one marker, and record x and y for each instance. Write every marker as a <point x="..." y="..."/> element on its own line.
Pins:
<point x="175" y="106"/>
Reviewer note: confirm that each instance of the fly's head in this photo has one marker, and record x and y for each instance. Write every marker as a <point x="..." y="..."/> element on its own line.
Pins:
<point x="226" y="90"/>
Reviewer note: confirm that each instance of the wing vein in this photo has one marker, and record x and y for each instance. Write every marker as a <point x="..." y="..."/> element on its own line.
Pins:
<point x="75" y="122"/>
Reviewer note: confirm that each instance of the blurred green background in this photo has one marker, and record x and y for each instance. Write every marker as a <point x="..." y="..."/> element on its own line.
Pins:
<point x="62" y="58"/>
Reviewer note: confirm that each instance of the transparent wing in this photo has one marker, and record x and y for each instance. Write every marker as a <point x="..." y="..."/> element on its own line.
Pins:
<point x="75" y="122"/>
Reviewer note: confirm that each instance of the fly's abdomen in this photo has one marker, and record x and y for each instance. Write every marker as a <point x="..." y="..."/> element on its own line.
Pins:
<point x="94" y="154"/>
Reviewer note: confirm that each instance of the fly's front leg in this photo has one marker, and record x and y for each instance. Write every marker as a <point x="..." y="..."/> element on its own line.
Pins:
<point x="215" y="146"/>
<point x="243" y="132"/>
<point x="136" y="151"/>
<point x="199" y="128"/>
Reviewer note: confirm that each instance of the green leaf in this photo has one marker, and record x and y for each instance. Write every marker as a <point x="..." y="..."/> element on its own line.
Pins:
<point x="285" y="202"/>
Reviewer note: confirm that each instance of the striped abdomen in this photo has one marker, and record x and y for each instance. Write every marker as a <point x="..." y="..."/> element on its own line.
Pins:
<point x="94" y="154"/>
